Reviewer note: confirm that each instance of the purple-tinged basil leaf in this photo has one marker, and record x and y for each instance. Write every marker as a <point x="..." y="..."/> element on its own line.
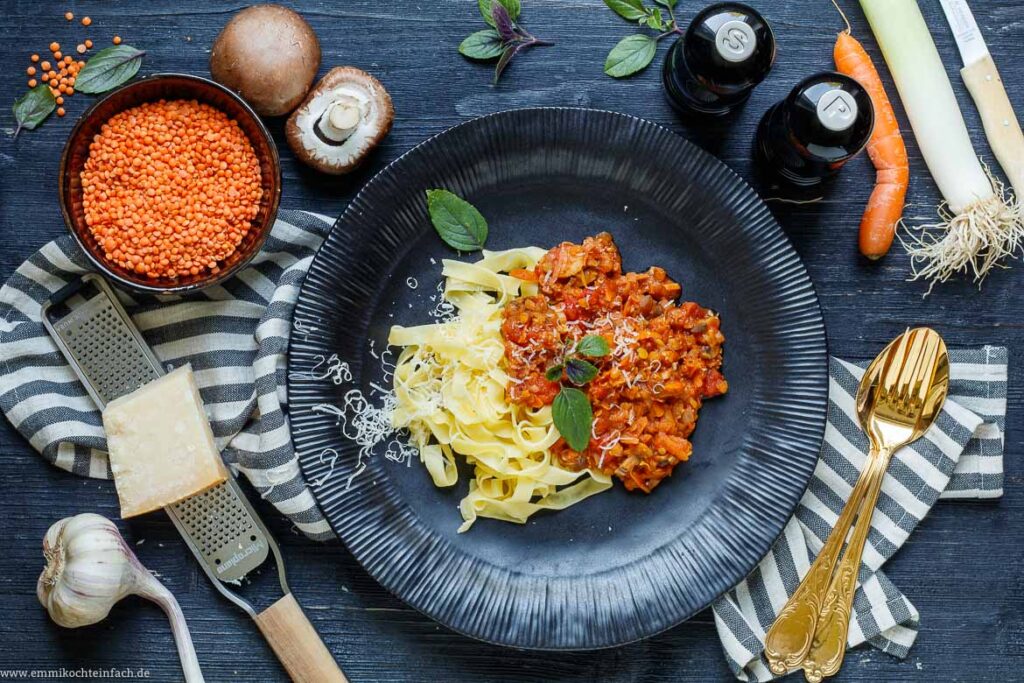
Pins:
<point x="503" y="23"/>
<point x="514" y="7"/>
<point x="580" y="371"/>
<point x="506" y="57"/>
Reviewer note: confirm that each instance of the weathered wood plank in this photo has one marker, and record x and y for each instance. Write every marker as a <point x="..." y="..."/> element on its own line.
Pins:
<point x="961" y="568"/>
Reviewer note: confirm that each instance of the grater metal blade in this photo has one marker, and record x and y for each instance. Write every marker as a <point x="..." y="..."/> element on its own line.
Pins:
<point x="112" y="359"/>
<point x="220" y="527"/>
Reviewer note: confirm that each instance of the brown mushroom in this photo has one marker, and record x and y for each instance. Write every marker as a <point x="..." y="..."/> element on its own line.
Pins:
<point x="345" y="116"/>
<point x="269" y="55"/>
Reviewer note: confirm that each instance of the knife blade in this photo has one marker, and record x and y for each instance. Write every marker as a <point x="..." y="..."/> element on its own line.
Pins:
<point x="986" y="87"/>
<point x="965" y="30"/>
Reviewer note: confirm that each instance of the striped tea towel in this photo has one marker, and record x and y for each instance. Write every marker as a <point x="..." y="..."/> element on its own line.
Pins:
<point x="235" y="336"/>
<point x="961" y="456"/>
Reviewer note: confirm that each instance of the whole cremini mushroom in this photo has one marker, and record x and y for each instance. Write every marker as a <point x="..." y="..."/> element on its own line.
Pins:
<point x="345" y="116"/>
<point x="269" y="55"/>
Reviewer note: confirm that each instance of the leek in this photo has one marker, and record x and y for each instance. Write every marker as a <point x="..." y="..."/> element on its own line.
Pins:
<point x="979" y="225"/>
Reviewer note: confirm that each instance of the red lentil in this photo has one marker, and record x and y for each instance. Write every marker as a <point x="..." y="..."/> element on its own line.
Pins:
<point x="170" y="188"/>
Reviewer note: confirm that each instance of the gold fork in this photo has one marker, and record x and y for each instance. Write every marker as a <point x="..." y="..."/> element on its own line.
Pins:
<point x="906" y="403"/>
<point x="790" y="638"/>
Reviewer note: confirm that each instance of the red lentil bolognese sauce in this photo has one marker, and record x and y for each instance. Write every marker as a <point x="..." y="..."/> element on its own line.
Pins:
<point x="665" y="357"/>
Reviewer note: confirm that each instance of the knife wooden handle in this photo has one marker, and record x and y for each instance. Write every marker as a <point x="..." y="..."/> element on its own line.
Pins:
<point x="297" y="644"/>
<point x="1001" y="125"/>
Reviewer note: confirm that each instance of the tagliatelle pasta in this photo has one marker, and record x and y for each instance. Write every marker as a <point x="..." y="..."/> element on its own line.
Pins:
<point x="450" y="385"/>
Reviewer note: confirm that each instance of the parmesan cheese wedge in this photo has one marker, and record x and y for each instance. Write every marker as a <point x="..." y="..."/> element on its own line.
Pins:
<point x="160" y="444"/>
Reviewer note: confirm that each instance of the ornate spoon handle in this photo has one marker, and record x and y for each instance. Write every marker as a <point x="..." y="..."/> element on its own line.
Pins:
<point x="829" y="643"/>
<point x="789" y="638"/>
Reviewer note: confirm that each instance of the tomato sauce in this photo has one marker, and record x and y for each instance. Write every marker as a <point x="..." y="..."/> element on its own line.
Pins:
<point x="665" y="358"/>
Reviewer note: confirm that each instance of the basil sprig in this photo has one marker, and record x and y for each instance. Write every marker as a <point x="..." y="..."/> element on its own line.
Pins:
<point x="573" y="416"/>
<point x="634" y="53"/>
<point x="504" y="40"/>
<point x="33" y="107"/>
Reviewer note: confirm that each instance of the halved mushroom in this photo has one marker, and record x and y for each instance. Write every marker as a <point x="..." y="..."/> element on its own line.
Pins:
<point x="344" y="117"/>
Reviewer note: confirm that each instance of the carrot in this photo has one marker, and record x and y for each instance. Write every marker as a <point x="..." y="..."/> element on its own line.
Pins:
<point x="886" y="149"/>
<point x="523" y="274"/>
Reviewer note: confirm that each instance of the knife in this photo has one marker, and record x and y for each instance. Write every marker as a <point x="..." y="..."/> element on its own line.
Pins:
<point x="986" y="87"/>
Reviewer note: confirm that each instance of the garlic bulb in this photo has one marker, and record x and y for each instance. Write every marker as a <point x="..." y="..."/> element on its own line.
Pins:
<point x="89" y="567"/>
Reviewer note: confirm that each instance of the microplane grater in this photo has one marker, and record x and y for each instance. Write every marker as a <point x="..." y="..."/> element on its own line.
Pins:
<point x="220" y="527"/>
<point x="112" y="359"/>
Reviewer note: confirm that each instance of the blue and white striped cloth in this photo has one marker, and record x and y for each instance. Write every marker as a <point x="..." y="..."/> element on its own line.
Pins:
<point x="234" y="335"/>
<point x="961" y="456"/>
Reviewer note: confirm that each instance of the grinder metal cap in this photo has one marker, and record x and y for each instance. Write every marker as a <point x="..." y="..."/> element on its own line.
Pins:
<point x="729" y="43"/>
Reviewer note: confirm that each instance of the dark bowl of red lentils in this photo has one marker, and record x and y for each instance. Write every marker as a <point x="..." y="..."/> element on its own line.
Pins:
<point x="170" y="184"/>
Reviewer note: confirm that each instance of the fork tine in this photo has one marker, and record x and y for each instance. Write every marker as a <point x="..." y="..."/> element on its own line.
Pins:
<point x="932" y="352"/>
<point x="894" y="364"/>
<point x="912" y="366"/>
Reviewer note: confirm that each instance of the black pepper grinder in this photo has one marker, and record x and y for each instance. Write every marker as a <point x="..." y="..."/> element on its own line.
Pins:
<point x="727" y="50"/>
<point x="806" y="138"/>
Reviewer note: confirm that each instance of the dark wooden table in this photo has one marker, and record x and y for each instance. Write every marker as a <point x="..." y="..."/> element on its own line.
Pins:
<point x="962" y="568"/>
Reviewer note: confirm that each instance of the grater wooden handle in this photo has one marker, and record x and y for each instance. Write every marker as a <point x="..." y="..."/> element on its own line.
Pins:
<point x="297" y="644"/>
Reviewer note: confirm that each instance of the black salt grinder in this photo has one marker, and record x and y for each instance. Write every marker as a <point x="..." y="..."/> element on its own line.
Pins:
<point x="806" y="138"/>
<point x="711" y="70"/>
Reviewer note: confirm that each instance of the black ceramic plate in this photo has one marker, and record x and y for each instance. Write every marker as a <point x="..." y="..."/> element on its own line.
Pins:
<point x="618" y="566"/>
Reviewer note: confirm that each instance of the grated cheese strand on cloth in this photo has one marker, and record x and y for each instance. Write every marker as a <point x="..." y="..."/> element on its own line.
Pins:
<point x="450" y="396"/>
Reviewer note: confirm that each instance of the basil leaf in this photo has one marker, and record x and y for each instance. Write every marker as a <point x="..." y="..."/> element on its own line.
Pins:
<point x="506" y="57"/>
<point x="554" y="373"/>
<point x="632" y="10"/>
<point x="655" y="20"/>
<point x="573" y="418"/>
<point x="632" y="54"/>
<point x="593" y="345"/>
<point x="457" y="221"/>
<point x="513" y="7"/>
<point x="33" y="107"/>
<point x="580" y="371"/>
<point x="108" y="69"/>
<point x="484" y="44"/>
<point x="667" y="4"/>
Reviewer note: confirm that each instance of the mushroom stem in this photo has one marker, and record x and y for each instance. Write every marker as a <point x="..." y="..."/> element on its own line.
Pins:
<point x="341" y="119"/>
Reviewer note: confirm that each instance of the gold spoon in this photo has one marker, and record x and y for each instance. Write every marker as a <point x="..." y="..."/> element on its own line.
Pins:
<point x="894" y="412"/>
<point x="790" y="638"/>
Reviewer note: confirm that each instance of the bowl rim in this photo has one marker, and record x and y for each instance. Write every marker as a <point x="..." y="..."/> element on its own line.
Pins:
<point x="109" y="272"/>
